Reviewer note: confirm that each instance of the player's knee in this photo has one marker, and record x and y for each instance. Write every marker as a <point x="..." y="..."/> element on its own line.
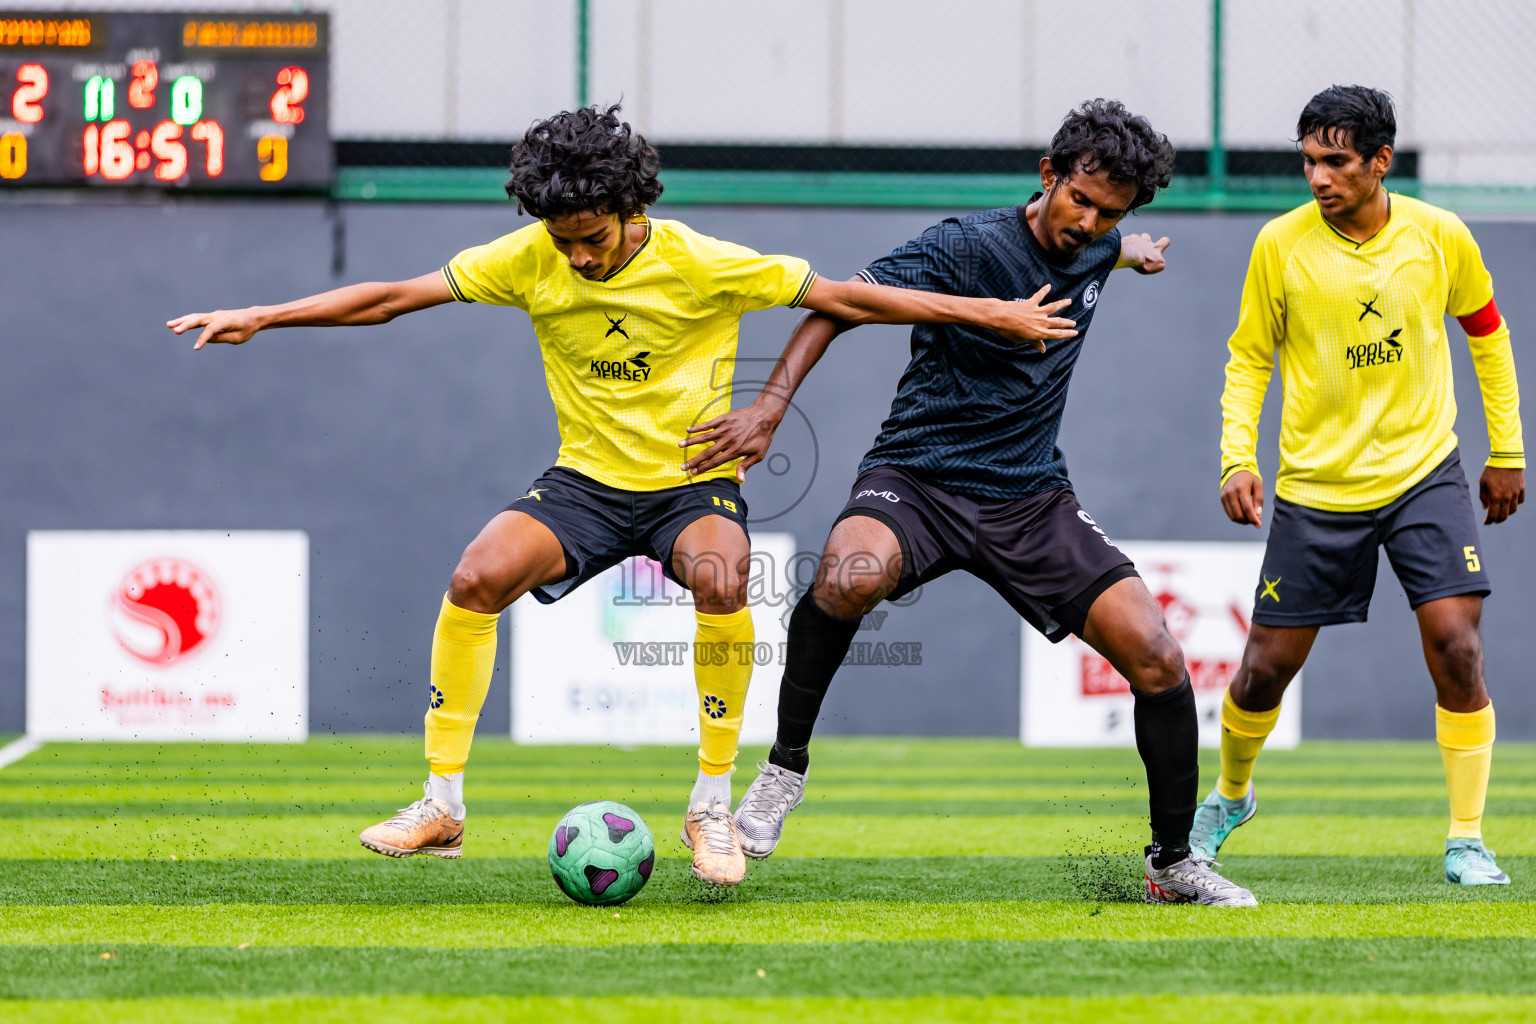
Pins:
<point x="718" y="587"/>
<point x="1460" y="657"/>
<point x="848" y="597"/>
<point x="1264" y="677"/>
<point x="473" y="589"/>
<point x="850" y="583"/>
<point x="721" y="594"/>
<point x="1158" y="665"/>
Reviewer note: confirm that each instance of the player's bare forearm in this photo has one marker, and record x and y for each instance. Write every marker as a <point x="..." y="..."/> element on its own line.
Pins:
<point x="809" y="342"/>
<point x="373" y="302"/>
<point x="1032" y="321"/>
<point x="746" y="434"/>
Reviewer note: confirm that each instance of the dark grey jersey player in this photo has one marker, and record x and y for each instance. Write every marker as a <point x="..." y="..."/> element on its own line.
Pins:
<point x="966" y="474"/>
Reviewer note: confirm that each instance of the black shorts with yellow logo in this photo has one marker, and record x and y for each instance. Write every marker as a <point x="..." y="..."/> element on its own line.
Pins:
<point x="1320" y="567"/>
<point x="600" y="526"/>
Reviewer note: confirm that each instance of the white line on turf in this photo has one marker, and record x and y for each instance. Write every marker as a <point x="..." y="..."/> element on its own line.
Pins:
<point x="18" y="749"/>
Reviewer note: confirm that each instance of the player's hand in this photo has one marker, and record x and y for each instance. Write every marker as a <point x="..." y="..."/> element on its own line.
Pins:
<point x="743" y="434"/>
<point x="1501" y="491"/>
<point x="1242" y="498"/>
<point x="1034" y="321"/>
<point x="1142" y="254"/>
<point x="225" y="326"/>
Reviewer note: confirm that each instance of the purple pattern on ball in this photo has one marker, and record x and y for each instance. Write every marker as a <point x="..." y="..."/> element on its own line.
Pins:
<point x="645" y="867"/>
<point x="599" y="879"/>
<point x="565" y="835"/>
<point x="618" y="827"/>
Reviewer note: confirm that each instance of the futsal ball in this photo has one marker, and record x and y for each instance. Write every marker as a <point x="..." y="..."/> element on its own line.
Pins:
<point x="601" y="853"/>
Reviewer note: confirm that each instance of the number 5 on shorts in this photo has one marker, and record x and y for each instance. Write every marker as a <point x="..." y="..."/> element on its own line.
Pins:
<point x="1470" y="554"/>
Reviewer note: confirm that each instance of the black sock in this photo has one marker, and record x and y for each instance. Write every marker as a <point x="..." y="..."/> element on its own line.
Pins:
<point x="795" y="759"/>
<point x="1167" y="738"/>
<point x="817" y="645"/>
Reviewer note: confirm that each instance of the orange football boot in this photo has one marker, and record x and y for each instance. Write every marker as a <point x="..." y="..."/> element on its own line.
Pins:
<point x="710" y="833"/>
<point x="427" y="826"/>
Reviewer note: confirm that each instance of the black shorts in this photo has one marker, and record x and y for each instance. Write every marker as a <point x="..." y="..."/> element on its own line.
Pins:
<point x="1043" y="554"/>
<point x="1320" y="567"/>
<point x="600" y="526"/>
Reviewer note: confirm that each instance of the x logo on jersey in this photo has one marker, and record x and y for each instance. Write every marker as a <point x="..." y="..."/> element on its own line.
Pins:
<point x="1370" y="307"/>
<point x="534" y="492"/>
<point x="1269" y="588"/>
<point x="616" y="324"/>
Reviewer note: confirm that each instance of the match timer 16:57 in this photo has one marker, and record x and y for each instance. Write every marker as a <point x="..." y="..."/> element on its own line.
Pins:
<point x="207" y="101"/>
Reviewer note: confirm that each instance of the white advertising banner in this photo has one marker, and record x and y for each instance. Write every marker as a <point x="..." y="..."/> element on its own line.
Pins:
<point x="1071" y="697"/>
<point x="167" y="635"/>
<point x="612" y="661"/>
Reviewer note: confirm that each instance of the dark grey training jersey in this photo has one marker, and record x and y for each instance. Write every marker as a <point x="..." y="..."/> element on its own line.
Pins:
<point x="976" y="414"/>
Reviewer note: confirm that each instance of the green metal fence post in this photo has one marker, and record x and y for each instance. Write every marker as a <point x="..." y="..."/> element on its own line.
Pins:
<point x="583" y="36"/>
<point x="1216" y="170"/>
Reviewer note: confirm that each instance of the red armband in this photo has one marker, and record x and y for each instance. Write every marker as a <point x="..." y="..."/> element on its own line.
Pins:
<point x="1484" y="321"/>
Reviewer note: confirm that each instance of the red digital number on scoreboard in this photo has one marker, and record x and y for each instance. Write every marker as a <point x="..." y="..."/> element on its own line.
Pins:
<point x="27" y="100"/>
<point x="108" y="152"/>
<point x="292" y="90"/>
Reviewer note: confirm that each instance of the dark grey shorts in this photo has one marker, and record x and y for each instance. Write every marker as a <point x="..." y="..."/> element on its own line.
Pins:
<point x="1043" y="554"/>
<point x="1320" y="567"/>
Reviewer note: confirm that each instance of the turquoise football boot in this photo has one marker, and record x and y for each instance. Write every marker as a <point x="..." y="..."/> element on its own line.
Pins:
<point x="1216" y="818"/>
<point x="1469" y="862"/>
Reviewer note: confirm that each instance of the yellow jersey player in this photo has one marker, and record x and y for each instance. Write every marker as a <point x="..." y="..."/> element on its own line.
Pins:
<point x="637" y="322"/>
<point x="1351" y="292"/>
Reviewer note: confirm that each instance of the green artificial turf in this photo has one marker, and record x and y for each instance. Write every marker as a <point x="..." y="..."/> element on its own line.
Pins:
<point x="921" y="880"/>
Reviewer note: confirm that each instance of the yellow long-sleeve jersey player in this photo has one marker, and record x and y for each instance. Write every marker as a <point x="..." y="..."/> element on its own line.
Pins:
<point x="636" y="358"/>
<point x="1359" y="331"/>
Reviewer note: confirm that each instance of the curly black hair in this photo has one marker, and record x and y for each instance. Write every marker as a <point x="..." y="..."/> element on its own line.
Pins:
<point x="1101" y="135"/>
<point x="584" y="160"/>
<point x="1350" y="116"/>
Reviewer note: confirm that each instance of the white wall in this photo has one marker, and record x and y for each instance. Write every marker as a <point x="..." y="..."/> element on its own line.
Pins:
<point x="959" y="72"/>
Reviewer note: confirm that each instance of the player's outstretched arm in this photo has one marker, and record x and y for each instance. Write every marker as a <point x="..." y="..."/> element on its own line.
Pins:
<point x="1032" y="321"/>
<point x="1141" y="254"/>
<point x="746" y="434"/>
<point x="375" y="302"/>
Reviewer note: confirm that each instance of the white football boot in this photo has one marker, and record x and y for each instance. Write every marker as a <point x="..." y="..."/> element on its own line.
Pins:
<point x="767" y="802"/>
<point x="1192" y="880"/>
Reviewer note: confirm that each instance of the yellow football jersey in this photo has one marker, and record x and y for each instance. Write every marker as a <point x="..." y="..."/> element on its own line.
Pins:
<point x="1359" y="331"/>
<point x="635" y="359"/>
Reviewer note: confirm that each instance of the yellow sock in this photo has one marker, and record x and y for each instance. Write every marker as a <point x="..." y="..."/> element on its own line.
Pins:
<point x="463" y="658"/>
<point x="1242" y="737"/>
<point x="722" y="687"/>
<point x="1466" y="748"/>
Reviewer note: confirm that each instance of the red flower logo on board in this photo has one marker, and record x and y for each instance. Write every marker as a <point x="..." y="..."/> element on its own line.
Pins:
<point x="164" y="610"/>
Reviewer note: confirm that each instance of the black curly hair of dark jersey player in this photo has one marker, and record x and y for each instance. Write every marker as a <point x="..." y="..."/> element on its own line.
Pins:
<point x="1101" y="135"/>
<point x="1350" y="117"/>
<point x="584" y="160"/>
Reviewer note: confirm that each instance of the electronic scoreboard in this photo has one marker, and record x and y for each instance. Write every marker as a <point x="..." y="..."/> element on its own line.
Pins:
<point x="205" y="101"/>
